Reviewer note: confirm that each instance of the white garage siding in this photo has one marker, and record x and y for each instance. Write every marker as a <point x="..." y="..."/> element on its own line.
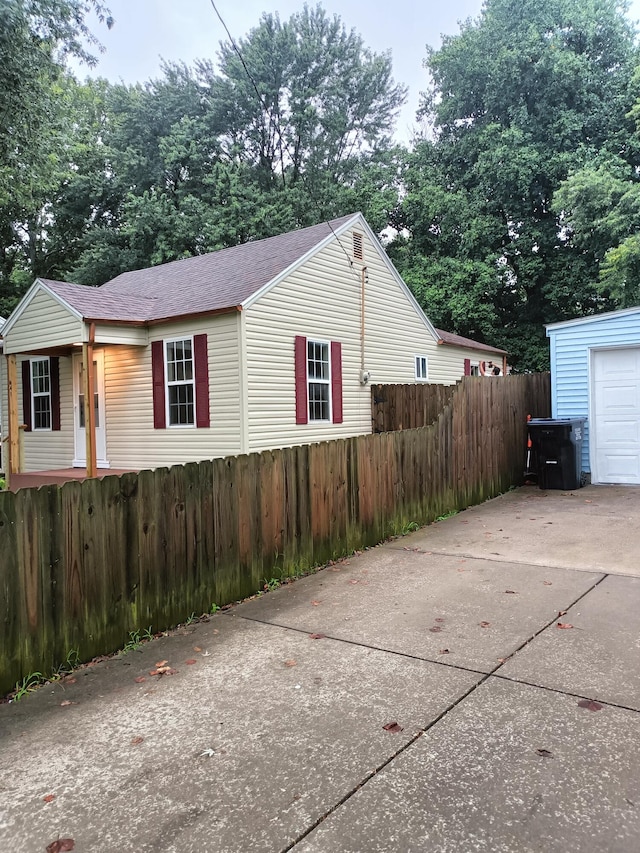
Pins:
<point x="573" y="347"/>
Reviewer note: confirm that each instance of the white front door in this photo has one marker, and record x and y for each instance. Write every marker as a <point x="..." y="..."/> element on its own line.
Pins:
<point x="615" y="415"/>
<point x="80" y="457"/>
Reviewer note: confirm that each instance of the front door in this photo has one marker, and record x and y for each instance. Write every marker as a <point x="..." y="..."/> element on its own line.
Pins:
<point x="80" y="457"/>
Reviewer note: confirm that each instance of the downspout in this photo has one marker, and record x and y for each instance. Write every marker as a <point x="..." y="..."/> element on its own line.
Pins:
<point x="364" y="378"/>
<point x="89" y="396"/>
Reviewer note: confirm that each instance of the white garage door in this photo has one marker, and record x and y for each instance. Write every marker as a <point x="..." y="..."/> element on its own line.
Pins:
<point x="615" y="433"/>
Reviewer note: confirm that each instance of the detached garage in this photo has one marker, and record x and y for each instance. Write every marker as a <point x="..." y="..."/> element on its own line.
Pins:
<point x="595" y="373"/>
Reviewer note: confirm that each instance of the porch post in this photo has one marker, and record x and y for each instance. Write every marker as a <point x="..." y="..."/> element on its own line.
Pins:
<point x="89" y="411"/>
<point x="14" y="426"/>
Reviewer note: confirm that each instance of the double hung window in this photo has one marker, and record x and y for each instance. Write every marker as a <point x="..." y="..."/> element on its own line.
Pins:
<point x="180" y="382"/>
<point x="41" y="393"/>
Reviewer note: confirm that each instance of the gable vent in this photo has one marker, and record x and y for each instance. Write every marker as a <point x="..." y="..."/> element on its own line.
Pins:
<point x="358" y="254"/>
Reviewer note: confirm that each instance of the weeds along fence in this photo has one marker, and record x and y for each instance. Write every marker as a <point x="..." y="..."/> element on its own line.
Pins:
<point x="83" y="564"/>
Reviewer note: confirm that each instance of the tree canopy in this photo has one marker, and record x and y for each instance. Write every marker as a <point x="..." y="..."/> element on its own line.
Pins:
<point x="520" y="207"/>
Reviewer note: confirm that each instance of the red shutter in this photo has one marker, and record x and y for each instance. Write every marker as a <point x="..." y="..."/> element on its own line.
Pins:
<point x="302" y="409"/>
<point x="467" y="367"/>
<point x="336" y="381"/>
<point x="54" y="379"/>
<point x="26" y="394"/>
<point x="157" y="379"/>
<point x="201" y="358"/>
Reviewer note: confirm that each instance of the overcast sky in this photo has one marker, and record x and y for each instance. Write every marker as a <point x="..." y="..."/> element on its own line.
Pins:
<point x="147" y="31"/>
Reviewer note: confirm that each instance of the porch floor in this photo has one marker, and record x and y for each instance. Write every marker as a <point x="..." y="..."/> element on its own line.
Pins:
<point x="33" y="479"/>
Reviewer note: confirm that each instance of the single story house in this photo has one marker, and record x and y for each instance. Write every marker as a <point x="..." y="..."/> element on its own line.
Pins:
<point x="268" y="344"/>
<point x="595" y="373"/>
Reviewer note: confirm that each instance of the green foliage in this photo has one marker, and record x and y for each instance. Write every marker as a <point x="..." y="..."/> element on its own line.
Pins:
<point x="519" y="97"/>
<point x="136" y="639"/>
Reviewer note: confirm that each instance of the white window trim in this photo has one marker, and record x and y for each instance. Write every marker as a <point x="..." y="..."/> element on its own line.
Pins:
<point x="168" y="384"/>
<point x="416" y="359"/>
<point x="34" y="428"/>
<point x="327" y="382"/>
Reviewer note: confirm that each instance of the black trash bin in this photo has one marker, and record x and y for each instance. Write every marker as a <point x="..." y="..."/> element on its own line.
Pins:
<point x="556" y="445"/>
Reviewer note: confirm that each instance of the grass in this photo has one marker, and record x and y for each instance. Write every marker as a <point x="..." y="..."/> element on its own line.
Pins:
<point x="136" y="639"/>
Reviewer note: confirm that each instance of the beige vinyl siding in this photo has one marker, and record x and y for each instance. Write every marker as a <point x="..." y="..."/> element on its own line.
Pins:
<point x="45" y="323"/>
<point x="45" y="449"/>
<point x="112" y="334"/>
<point x="132" y="441"/>
<point x="455" y="357"/>
<point x="321" y="300"/>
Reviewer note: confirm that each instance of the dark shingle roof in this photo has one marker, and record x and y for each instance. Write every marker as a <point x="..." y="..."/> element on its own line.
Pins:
<point x="95" y="303"/>
<point x="459" y="341"/>
<point x="217" y="281"/>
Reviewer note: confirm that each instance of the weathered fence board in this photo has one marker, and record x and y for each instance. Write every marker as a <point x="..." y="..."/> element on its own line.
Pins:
<point x="83" y="564"/>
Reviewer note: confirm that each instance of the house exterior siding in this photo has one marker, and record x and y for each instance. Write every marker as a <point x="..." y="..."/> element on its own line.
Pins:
<point x="571" y="345"/>
<point x="43" y="449"/>
<point x="132" y="441"/>
<point x="321" y="300"/>
<point x="46" y="324"/>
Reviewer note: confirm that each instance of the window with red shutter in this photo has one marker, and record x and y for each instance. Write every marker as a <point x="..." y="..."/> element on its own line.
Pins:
<point x="180" y="378"/>
<point x="318" y="381"/>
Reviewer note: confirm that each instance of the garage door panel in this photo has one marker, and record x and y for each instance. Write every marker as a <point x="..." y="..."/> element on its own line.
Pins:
<point x="617" y="364"/>
<point x="618" y="431"/>
<point x="615" y="436"/>
<point x="619" y="396"/>
<point x="619" y="468"/>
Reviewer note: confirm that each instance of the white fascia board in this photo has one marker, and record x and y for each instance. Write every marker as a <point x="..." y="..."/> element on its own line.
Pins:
<point x="592" y="318"/>
<point x="336" y="232"/>
<point x="24" y="303"/>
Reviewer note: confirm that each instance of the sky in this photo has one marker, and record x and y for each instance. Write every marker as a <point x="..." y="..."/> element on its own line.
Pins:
<point x="147" y="31"/>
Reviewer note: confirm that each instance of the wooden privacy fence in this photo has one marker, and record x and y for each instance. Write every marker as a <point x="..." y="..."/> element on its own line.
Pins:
<point x="407" y="406"/>
<point x="83" y="564"/>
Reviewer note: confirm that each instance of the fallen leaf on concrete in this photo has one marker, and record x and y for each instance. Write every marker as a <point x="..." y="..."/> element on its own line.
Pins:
<point x="436" y="629"/>
<point x="136" y="740"/>
<point x="197" y="649"/>
<point x="590" y="705"/>
<point x="49" y="798"/>
<point x="140" y="679"/>
<point x="587" y="501"/>
<point x="162" y="663"/>
<point x="69" y="679"/>
<point x="484" y="624"/>
<point x="438" y="619"/>
<point x="60" y="845"/>
<point x="315" y="603"/>
<point x="67" y="702"/>
<point x="443" y="652"/>
<point x="163" y="670"/>
<point x="564" y="625"/>
<point x="191" y="661"/>
<point x="547" y="583"/>
<point x="317" y="636"/>
<point x="502" y="660"/>
<point x="291" y="663"/>
<point x="392" y="727"/>
<point x="544" y="753"/>
<point x="354" y="581"/>
<point x="561" y="612"/>
<point x="510" y="592"/>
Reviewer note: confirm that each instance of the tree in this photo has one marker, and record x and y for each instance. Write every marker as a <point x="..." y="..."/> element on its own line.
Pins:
<point x="517" y="99"/>
<point x="36" y="37"/>
<point x="295" y="132"/>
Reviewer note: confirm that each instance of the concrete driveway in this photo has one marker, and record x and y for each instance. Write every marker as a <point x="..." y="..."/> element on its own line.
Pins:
<point x="420" y="696"/>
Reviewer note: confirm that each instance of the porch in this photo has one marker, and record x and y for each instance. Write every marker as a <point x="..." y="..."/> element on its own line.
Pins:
<point x="58" y="476"/>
